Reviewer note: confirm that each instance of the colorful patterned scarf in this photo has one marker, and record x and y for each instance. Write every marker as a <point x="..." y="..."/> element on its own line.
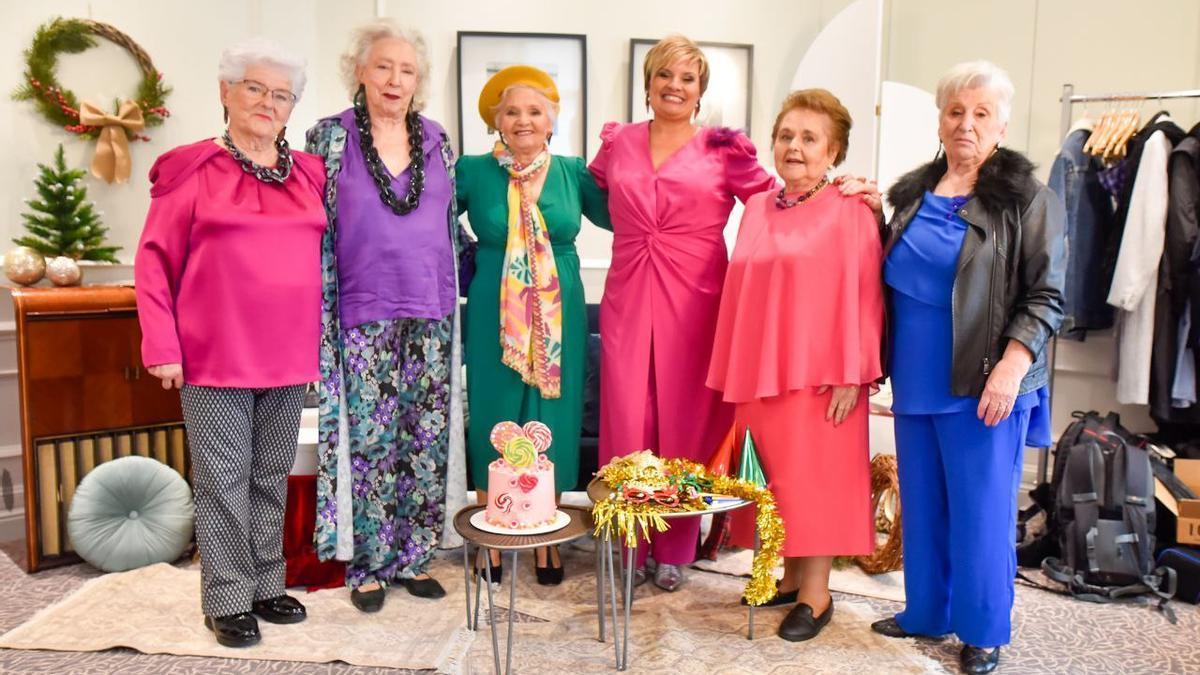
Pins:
<point x="530" y="295"/>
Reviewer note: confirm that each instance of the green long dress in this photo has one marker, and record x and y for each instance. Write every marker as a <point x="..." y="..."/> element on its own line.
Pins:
<point x="495" y="392"/>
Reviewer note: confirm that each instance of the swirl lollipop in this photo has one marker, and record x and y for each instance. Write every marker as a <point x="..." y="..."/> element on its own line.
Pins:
<point x="520" y="452"/>
<point x="538" y="433"/>
<point x="502" y="433"/>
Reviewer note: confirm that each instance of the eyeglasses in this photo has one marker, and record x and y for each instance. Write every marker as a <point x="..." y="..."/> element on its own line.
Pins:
<point x="258" y="90"/>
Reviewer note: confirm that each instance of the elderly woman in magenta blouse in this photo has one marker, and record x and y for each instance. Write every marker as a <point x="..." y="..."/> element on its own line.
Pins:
<point x="671" y="185"/>
<point x="229" y="299"/>
<point x="391" y="421"/>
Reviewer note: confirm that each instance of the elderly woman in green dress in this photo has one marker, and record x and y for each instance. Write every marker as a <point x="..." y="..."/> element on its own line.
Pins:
<point x="526" y="317"/>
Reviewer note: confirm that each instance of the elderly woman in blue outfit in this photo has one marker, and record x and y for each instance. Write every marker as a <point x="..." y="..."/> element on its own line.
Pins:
<point x="974" y="269"/>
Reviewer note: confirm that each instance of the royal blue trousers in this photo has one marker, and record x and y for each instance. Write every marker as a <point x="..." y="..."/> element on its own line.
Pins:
<point x="958" y="496"/>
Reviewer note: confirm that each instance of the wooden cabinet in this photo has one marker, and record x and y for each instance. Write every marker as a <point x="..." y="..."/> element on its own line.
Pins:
<point x="85" y="398"/>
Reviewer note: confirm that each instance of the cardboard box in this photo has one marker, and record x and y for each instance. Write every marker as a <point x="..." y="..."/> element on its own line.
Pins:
<point x="1188" y="525"/>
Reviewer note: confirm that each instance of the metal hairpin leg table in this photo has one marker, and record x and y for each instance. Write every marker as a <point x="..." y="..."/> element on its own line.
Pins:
<point x="580" y="525"/>
<point x="625" y="566"/>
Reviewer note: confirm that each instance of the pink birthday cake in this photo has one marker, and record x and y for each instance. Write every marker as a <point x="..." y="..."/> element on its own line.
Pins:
<point x="521" y="483"/>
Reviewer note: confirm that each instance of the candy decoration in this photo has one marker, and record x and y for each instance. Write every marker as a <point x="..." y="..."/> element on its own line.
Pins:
<point x="527" y="482"/>
<point x="520" y="453"/>
<point x="502" y="433"/>
<point x="540" y="435"/>
<point x="749" y="469"/>
<point x="504" y="502"/>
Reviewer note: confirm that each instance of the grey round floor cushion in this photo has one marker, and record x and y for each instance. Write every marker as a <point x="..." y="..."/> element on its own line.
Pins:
<point x="129" y="513"/>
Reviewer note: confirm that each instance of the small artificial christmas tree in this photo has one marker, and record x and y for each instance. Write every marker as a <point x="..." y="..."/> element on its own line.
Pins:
<point x="63" y="222"/>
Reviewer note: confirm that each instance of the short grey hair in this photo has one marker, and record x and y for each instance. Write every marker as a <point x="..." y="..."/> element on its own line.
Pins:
<point x="974" y="74"/>
<point x="259" y="51"/>
<point x="551" y="106"/>
<point x="365" y="36"/>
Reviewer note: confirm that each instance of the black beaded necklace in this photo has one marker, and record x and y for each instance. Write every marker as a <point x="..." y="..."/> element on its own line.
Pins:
<point x="783" y="202"/>
<point x="416" y="159"/>
<point x="278" y="174"/>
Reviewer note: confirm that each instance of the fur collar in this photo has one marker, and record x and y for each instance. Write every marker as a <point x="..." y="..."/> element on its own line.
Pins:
<point x="1005" y="182"/>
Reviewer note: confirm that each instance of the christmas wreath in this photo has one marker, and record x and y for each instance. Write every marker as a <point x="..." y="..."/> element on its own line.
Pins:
<point x="62" y="108"/>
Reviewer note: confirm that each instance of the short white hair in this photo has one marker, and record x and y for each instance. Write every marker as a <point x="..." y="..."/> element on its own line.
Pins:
<point x="259" y="51"/>
<point x="551" y="106"/>
<point x="365" y="36"/>
<point x="975" y="74"/>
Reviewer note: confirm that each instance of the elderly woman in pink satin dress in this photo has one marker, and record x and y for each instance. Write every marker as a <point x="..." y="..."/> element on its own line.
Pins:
<point x="671" y="185"/>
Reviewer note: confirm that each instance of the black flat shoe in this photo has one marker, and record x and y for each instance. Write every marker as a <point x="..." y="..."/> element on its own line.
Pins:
<point x="497" y="572"/>
<point x="235" y="630"/>
<point x="800" y="624"/>
<point x="977" y="660"/>
<point x="425" y="588"/>
<point x="280" y="609"/>
<point x="368" y="601"/>
<point x="779" y="599"/>
<point x="892" y="629"/>
<point x="548" y="576"/>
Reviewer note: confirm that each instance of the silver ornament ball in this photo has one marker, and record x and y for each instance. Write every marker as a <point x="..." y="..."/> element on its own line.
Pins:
<point x="63" y="271"/>
<point x="24" y="265"/>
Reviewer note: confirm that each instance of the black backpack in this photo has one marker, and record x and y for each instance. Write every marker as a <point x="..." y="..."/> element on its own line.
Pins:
<point x="1103" y="515"/>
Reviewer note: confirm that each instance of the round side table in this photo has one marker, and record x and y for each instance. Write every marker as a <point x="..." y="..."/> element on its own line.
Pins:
<point x="597" y="491"/>
<point x="580" y="525"/>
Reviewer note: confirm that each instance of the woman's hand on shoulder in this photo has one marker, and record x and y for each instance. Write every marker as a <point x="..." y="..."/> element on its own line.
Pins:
<point x="859" y="185"/>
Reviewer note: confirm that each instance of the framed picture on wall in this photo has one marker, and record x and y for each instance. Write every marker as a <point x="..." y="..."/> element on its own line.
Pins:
<point x="726" y="103"/>
<point x="562" y="55"/>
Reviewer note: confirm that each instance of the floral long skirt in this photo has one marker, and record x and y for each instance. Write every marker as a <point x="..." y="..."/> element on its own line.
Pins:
<point x="397" y="397"/>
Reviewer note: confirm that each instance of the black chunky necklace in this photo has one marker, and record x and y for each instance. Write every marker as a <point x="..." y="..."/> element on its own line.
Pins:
<point x="784" y="203"/>
<point x="278" y="174"/>
<point x="416" y="159"/>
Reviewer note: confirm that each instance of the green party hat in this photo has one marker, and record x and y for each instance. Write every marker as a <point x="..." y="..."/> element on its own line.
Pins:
<point x="749" y="469"/>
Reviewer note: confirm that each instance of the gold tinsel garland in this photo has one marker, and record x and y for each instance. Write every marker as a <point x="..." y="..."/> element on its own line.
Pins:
<point x="640" y="478"/>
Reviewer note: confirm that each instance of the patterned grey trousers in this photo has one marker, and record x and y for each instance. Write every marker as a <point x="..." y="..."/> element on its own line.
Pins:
<point x="243" y="444"/>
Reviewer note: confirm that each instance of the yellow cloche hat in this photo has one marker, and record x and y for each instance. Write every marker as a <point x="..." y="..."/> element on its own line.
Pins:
<point x="534" y="78"/>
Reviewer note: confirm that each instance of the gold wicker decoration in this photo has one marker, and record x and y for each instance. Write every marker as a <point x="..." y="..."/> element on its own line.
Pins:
<point x="885" y="504"/>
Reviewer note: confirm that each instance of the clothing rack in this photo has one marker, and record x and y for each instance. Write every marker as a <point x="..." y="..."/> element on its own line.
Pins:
<point x="1068" y="99"/>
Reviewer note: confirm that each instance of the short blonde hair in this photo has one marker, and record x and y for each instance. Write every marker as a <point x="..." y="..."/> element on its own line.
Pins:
<point x="669" y="50"/>
<point x="823" y="102"/>
<point x="551" y="107"/>
<point x="365" y="36"/>
<point x="973" y="74"/>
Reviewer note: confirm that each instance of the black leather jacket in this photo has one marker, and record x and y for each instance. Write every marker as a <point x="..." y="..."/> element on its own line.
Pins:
<point x="1011" y="268"/>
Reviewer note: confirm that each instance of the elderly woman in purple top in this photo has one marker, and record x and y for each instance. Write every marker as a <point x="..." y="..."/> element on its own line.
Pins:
<point x="391" y="418"/>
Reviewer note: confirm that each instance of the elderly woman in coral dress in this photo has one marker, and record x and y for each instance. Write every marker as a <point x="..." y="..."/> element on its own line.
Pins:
<point x="797" y="344"/>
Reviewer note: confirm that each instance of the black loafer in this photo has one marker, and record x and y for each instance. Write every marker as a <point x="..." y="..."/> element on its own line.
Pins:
<point x="280" y="609"/>
<point x="497" y="572"/>
<point x="235" y="630"/>
<point x="800" y="624"/>
<point x="368" y="601"/>
<point x="549" y="575"/>
<point x="779" y="599"/>
<point x="977" y="660"/>
<point x="892" y="629"/>
<point x="426" y="588"/>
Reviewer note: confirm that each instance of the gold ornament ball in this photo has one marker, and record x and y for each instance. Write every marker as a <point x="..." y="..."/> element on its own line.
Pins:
<point x="63" y="271"/>
<point x="24" y="265"/>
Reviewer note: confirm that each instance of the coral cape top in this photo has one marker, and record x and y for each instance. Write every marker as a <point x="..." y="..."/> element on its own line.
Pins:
<point x="803" y="299"/>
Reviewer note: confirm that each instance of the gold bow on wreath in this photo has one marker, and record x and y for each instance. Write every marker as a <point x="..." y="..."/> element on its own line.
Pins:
<point x="112" y="161"/>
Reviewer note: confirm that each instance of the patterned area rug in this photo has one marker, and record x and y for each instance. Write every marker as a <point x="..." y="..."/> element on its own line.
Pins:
<point x="556" y="632"/>
<point x="155" y="610"/>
